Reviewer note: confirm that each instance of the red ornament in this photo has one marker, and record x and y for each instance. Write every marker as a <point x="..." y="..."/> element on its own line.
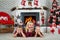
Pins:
<point x="54" y="25"/>
<point x="51" y="10"/>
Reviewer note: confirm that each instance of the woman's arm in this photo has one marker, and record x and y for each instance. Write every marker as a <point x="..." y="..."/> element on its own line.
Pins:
<point x="15" y="34"/>
<point x="22" y="33"/>
<point x="35" y="34"/>
<point x="39" y="33"/>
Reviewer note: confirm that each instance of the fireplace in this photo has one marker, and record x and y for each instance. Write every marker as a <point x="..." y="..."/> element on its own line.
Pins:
<point x="29" y="16"/>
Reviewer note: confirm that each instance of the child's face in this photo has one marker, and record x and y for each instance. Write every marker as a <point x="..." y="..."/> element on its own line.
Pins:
<point x="31" y="25"/>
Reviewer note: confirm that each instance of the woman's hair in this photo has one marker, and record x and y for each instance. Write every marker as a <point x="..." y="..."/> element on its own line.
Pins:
<point x="26" y="28"/>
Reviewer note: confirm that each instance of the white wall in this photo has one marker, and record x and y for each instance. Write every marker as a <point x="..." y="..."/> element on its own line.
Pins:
<point x="6" y="5"/>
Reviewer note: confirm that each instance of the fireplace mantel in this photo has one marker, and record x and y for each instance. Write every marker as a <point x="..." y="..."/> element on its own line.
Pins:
<point x="28" y="8"/>
<point x="44" y="7"/>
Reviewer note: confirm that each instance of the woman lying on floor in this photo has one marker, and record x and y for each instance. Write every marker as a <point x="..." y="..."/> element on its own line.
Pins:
<point x="19" y="32"/>
<point x="29" y="31"/>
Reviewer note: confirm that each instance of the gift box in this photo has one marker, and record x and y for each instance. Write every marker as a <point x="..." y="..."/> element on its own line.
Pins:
<point x="58" y="31"/>
<point x="52" y="31"/>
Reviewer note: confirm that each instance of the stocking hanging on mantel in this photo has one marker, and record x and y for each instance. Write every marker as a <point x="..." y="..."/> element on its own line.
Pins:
<point x="42" y="18"/>
<point x="36" y="2"/>
<point x="23" y="2"/>
<point x="30" y="3"/>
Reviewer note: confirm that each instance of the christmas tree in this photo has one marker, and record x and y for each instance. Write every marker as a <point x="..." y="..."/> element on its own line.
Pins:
<point x="54" y="18"/>
<point x="54" y="13"/>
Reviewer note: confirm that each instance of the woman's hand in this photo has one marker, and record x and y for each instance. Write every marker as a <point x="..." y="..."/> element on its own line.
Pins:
<point x="22" y="33"/>
<point x="37" y="30"/>
<point x="15" y="35"/>
<point x="19" y="30"/>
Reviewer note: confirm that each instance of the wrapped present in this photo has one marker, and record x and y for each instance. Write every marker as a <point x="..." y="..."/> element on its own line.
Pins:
<point x="52" y="31"/>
